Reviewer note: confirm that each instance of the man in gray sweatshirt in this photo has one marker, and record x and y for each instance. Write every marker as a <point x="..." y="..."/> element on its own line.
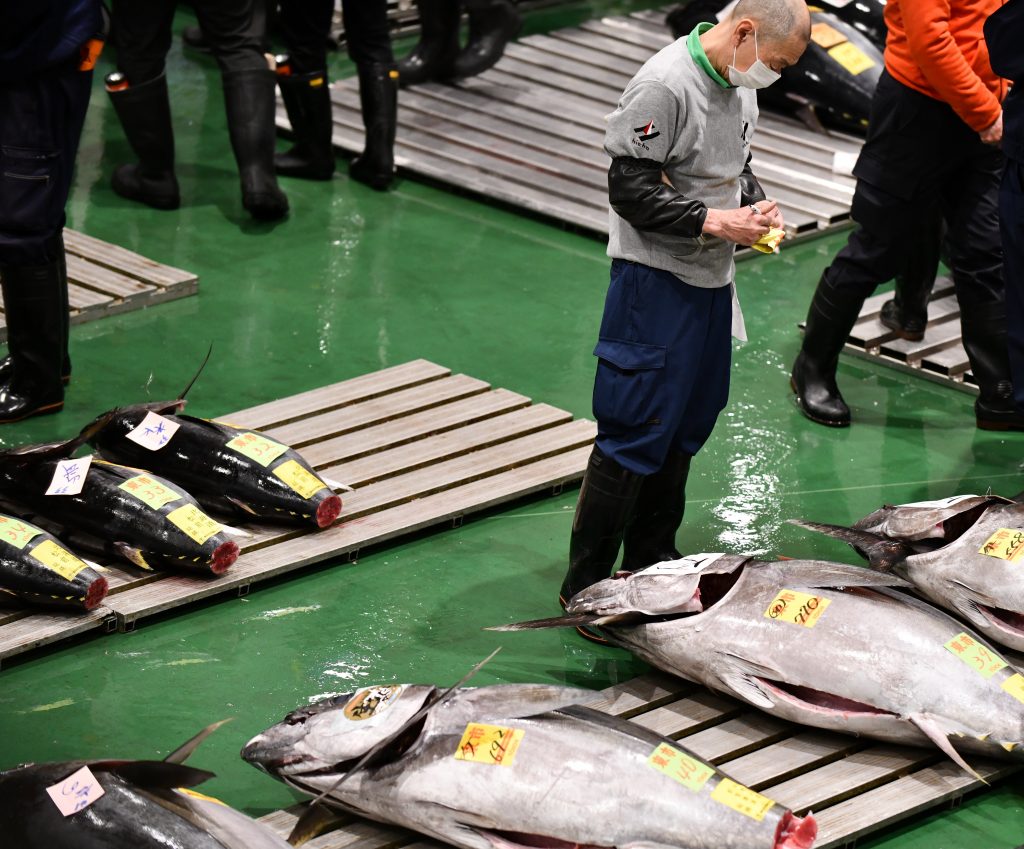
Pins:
<point x="682" y="197"/>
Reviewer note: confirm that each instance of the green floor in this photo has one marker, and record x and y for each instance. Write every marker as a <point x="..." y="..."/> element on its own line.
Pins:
<point x="355" y="281"/>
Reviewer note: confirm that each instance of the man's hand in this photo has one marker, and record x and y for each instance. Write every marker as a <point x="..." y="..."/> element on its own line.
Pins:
<point x="776" y="217"/>
<point x="742" y="226"/>
<point x="994" y="133"/>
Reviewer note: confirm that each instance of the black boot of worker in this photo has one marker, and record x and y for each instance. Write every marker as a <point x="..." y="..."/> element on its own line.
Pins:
<point x="378" y="96"/>
<point x="433" y="57"/>
<point x="907" y="313"/>
<point x="985" y="340"/>
<point x="249" y="101"/>
<point x="145" y="115"/>
<point x="605" y="505"/>
<point x="36" y="339"/>
<point x="492" y="25"/>
<point x="830" y="318"/>
<point x="307" y="99"/>
<point x="651" y="536"/>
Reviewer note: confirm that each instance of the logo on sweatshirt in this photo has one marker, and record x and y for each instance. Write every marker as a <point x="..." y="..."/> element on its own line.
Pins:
<point x="647" y="132"/>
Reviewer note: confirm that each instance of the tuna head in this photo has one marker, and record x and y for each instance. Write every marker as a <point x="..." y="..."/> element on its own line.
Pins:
<point x="332" y="735"/>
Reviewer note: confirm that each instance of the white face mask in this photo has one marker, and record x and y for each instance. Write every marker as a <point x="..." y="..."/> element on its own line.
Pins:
<point x="758" y="75"/>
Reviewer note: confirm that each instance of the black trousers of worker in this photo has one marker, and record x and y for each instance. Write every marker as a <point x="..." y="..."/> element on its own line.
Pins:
<point x="41" y="122"/>
<point x="144" y="35"/>
<point x="1011" y="208"/>
<point x="920" y="155"/>
<point x="304" y="26"/>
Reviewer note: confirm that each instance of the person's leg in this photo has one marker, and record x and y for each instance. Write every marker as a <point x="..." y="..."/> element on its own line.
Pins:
<point x="907" y="313"/>
<point x="433" y="58"/>
<point x="1011" y="220"/>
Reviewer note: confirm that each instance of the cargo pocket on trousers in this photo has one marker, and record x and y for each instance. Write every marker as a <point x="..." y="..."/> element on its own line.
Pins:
<point x="628" y="389"/>
<point x="27" y="184"/>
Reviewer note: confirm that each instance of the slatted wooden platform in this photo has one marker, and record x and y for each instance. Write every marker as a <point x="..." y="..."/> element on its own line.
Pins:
<point x="940" y="357"/>
<point x="420" y="446"/>
<point x="529" y="132"/>
<point x="105" y="279"/>
<point x="853" y="786"/>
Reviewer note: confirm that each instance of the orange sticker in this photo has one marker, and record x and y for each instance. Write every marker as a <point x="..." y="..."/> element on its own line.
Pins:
<point x="679" y="766"/>
<point x="748" y="802"/>
<point x="851" y="57"/>
<point x="257" y="447"/>
<point x="58" y="559"/>
<point x="1014" y="685"/>
<point x="827" y="36"/>
<point x="194" y="522"/>
<point x="798" y="608"/>
<point x="16" y="532"/>
<point x="1006" y="544"/>
<point x="974" y="654"/>
<point x="489" y="744"/>
<point x="300" y="480"/>
<point x="149" y="491"/>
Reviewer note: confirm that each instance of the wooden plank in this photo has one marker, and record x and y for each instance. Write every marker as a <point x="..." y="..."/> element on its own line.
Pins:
<point x="641" y="694"/>
<point x="82" y="300"/>
<point x="124" y="260"/>
<point x="694" y="713"/>
<point x="42" y="629"/>
<point x="738" y="736"/>
<point x="352" y="834"/>
<point x="104" y="280"/>
<point x="791" y="757"/>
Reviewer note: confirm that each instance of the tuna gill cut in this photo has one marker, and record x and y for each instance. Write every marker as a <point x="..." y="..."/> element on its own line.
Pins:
<point x="515" y="766"/>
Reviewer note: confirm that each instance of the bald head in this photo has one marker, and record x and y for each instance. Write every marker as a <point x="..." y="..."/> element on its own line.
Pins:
<point x="779" y="21"/>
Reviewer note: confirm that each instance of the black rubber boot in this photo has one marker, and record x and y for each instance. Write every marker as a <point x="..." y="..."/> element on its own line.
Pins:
<point x="307" y="98"/>
<point x="378" y="96"/>
<point x="36" y="338"/>
<point x="492" y="25"/>
<point x="907" y="313"/>
<point x="433" y="57"/>
<point x="830" y="318"/>
<point x="651" y="536"/>
<point x="985" y="340"/>
<point x="145" y="115"/>
<point x="249" y="101"/>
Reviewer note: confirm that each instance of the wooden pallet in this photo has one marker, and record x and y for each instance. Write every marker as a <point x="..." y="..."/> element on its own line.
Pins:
<point x="853" y="786"/>
<point x="529" y="132"/>
<point x="105" y="279"/>
<point x="420" y="446"/>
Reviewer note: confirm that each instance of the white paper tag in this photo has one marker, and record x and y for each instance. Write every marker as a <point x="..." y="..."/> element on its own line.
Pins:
<point x="69" y="476"/>
<point x="690" y="565"/>
<point x="75" y="792"/>
<point x="942" y="502"/>
<point x="153" y="432"/>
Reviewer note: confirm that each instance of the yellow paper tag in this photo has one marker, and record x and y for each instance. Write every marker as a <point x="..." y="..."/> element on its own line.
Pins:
<point x="748" y="802"/>
<point x="769" y="241"/>
<point x="827" y="36"/>
<point x="851" y="57"/>
<point x="16" y="532"/>
<point x="149" y="491"/>
<point x="58" y="559"/>
<point x="1006" y="544"/>
<point x="798" y="608"/>
<point x="299" y="479"/>
<point x="1014" y="685"/>
<point x="257" y="447"/>
<point x="194" y="522"/>
<point x="975" y="655"/>
<point x="679" y="766"/>
<point x="489" y="744"/>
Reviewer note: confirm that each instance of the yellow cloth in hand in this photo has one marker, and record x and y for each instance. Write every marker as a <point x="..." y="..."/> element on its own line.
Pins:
<point x="769" y="242"/>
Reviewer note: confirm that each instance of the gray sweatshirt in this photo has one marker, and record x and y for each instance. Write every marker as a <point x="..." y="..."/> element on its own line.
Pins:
<point x="674" y="112"/>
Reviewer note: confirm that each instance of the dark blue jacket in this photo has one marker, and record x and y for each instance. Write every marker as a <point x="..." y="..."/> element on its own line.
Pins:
<point x="37" y="34"/>
<point x="1004" y="33"/>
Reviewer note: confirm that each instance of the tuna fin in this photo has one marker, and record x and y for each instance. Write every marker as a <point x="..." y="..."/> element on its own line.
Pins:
<point x="930" y="728"/>
<point x="154" y="773"/>
<point x="315" y="820"/>
<point x="824" y="573"/>
<point x="131" y="554"/>
<point x="740" y="678"/>
<point x="241" y="505"/>
<point x="195" y="377"/>
<point x="569" y="621"/>
<point x="880" y="551"/>
<point x="179" y="755"/>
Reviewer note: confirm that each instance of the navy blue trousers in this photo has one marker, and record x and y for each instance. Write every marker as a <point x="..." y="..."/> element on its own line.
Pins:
<point x="41" y="122"/>
<point x="664" y="353"/>
<point x="1011" y="222"/>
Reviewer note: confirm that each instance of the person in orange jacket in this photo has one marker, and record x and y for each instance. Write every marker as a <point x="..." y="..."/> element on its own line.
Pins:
<point x="935" y="126"/>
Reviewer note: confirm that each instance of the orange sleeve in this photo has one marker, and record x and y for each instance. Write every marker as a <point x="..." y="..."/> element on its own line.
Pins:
<point x="936" y="53"/>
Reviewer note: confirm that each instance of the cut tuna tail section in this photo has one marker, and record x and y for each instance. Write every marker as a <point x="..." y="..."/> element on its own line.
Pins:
<point x="181" y="754"/>
<point x="931" y="729"/>
<point x="881" y="552"/>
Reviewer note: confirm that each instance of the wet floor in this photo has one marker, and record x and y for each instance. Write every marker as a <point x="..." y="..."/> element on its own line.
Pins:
<point x="355" y="281"/>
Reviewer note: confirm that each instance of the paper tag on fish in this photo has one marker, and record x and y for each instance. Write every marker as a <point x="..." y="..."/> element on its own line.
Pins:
<point x="58" y="559"/>
<point x="304" y="483"/>
<point x="686" y="566"/>
<point x="16" y="532"/>
<point x="679" y="766"/>
<point x="748" y="802"/>
<point x="974" y="654"/>
<point x="77" y="791"/>
<point x="941" y="502"/>
<point x="851" y="57"/>
<point x="194" y="522"/>
<point x="1006" y="544"/>
<point x="153" y="432"/>
<point x="371" y="702"/>
<point x="149" y="491"/>
<point x="69" y="476"/>
<point x="257" y="447"/>
<point x="1014" y="685"/>
<point x="489" y="744"/>
<point x="826" y="36"/>
<point x="798" y="608"/>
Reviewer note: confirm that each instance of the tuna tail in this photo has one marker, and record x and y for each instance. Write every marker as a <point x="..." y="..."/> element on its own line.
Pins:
<point x="931" y="729"/>
<point x="195" y="377"/>
<point x="569" y="621"/>
<point x="181" y="754"/>
<point x="880" y="551"/>
<point x="58" y="450"/>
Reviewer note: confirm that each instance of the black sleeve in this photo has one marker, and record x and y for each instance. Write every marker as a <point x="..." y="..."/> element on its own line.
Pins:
<point x="637" y="193"/>
<point x="750" y="189"/>
<point x="1004" y="32"/>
